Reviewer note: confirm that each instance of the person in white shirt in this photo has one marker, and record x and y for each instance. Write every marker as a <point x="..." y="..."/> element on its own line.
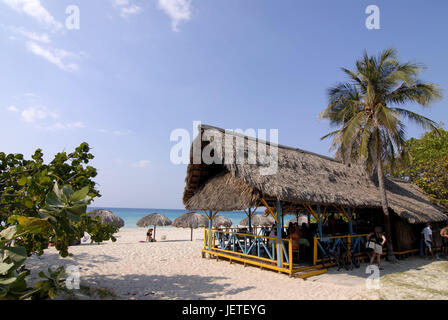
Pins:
<point x="427" y="233"/>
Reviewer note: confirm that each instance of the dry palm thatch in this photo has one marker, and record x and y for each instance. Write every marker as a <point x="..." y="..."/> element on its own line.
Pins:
<point x="154" y="219"/>
<point x="258" y="220"/>
<point x="108" y="217"/>
<point x="191" y="220"/>
<point x="221" y="221"/>
<point x="301" y="177"/>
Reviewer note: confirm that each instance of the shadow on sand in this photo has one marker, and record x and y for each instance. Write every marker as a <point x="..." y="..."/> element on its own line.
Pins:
<point x="41" y="263"/>
<point x="154" y="287"/>
<point x="357" y="276"/>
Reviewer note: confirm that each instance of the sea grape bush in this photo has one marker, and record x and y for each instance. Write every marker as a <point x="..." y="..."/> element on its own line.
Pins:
<point x="42" y="205"/>
<point x="427" y="165"/>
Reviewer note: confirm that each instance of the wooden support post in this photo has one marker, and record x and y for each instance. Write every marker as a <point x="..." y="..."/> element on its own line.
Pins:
<point x="350" y="230"/>
<point x="279" y="235"/>
<point x="315" y="251"/>
<point x="290" y="255"/>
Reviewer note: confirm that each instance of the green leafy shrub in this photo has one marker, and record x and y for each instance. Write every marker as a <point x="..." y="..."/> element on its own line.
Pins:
<point x="43" y="204"/>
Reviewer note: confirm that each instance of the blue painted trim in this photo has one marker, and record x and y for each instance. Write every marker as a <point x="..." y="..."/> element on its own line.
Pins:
<point x="319" y="222"/>
<point x="279" y="233"/>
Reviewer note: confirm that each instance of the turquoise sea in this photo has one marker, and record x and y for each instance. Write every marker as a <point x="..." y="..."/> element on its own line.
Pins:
<point x="131" y="216"/>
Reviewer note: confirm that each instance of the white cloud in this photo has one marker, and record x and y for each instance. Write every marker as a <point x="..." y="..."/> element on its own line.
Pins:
<point x="127" y="11"/>
<point x="39" y="37"/>
<point x="13" y="109"/>
<point x="118" y="3"/>
<point x="126" y="8"/>
<point x="116" y="132"/>
<point x="34" y="9"/>
<point x="31" y="95"/>
<point x="62" y="126"/>
<point x="122" y="133"/>
<point x="34" y="114"/>
<point x="177" y="10"/>
<point x="141" y="164"/>
<point x="55" y="56"/>
<point x="43" y="118"/>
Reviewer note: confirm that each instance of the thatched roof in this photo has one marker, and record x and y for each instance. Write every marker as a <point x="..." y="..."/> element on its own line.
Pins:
<point x="154" y="219"/>
<point x="302" y="177"/>
<point x="191" y="220"/>
<point x="221" y="221"/>
<point x="108" y="217"/>
<point x="258" y="220"/>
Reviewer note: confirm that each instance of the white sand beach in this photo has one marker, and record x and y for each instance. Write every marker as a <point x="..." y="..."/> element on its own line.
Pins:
<point x="174" y="269"/>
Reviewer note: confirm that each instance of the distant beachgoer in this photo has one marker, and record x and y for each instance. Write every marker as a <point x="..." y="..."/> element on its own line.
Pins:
<point x="444" y="235"/>
<point x="427" y="233"/>
<point x="377" y="236"/>
<point x="149" y="237"/>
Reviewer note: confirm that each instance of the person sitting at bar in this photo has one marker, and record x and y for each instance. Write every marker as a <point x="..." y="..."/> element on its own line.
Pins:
<point x="295" y="236"/>
<point x="272" y="234"/>
<point x="339" y="226"/>
<point x="290" y="228"/>
<point x="332" y="224"/>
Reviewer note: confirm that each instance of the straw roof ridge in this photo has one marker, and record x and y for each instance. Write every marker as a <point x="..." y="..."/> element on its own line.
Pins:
<point x="205" y="126"/>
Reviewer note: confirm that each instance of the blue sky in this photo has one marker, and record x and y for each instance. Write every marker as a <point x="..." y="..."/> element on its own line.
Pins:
<point x="138" y="69"/>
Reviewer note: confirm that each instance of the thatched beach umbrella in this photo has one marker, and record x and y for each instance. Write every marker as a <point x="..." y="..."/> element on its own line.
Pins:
<point x="154" y="219"/>
<point x="221" y="221"/>
<point x="258" y="220"/>
<point x="108" y="217"/>
<point x="299" y="220"/>
<point x="191" y="220"/>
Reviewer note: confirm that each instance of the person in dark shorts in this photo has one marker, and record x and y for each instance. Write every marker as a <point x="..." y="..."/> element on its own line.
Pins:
<point x="376" y="250"/>
<point x="444" y="236"/>
<point x="427" y="234"/>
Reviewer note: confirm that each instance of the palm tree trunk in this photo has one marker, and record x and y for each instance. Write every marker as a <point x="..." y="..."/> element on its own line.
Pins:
<point x="384" y="202"/>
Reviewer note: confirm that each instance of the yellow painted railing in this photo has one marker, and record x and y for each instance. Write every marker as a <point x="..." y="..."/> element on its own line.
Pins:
<point x="266" y="262"/>
<point x="348" y="237"/>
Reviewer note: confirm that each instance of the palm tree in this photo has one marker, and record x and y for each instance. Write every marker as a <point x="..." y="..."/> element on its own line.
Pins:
<point x="368" y="115"/>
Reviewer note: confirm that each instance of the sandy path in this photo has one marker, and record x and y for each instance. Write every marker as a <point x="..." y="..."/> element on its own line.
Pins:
<point x="174" y="269"/>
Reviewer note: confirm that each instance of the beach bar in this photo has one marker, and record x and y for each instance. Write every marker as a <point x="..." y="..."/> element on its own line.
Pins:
<point x="301" y="183"/>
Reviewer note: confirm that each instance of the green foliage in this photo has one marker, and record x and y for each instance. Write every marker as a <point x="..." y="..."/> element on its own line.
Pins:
<point x="427" y="165"/>
<point x="42" y="204"/>
<point x="13" y="256"/>
<point x="63" y="209"/>
<point x="98" y="231"/>
<point x="24" y="184"/>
